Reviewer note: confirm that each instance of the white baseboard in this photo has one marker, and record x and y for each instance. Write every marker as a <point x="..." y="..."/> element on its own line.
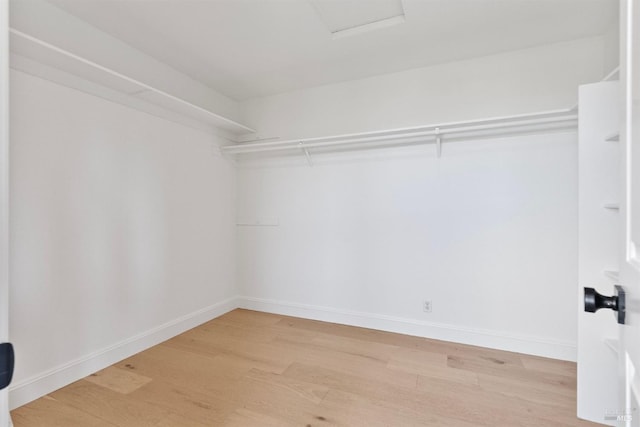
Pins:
<point x="39" y="385"/>
<point x="555" y="349"/>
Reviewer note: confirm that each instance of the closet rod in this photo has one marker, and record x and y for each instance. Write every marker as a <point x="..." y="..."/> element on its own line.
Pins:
<point x="502" y="119"/>
<point x="564" y="118"/>
<point x="538" y="115"/>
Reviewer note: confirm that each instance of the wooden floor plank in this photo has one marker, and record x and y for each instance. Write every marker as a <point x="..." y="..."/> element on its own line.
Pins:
<point x="120" y="380"/>
<point x="248" y="368"/>
<point x="544" y="365"/>
<point x="430" y="365"/>
<point x="535" y="391"/>
<point x="210" y="409"/>
<point x="49" y="412"/>
<point x="348" y="363"/>
<point x="274" y="396"/>
<point x="243" y="417"/>
<point x="356" y="410"/>
<point x="119" y="409"/>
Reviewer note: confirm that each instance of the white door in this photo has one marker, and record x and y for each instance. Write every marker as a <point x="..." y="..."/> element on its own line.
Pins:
<point x="629" y="356"/>
<point x="4" y="194"/>
<point x="609" y="177"/>
<point x="598" y="241"/>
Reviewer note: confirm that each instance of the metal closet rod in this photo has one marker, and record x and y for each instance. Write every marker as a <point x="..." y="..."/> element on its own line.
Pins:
<point x="414" y="134"/>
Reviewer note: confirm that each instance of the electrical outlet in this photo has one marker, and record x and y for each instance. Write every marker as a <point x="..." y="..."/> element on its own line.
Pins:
<point x="426" y="306"/>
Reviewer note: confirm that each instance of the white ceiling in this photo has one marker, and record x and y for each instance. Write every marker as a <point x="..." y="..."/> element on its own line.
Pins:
<point x="251" y="48"/>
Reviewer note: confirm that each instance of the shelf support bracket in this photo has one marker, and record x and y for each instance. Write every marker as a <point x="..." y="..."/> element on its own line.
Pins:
<point x="438" y="143"/>
<point x="306" y="153"/>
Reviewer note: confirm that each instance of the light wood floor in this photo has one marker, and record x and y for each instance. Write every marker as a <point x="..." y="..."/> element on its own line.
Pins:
<point x="248" y="368"/>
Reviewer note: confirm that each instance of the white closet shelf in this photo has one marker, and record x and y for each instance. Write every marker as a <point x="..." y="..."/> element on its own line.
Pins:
<point x="612" y="344"/>
<point x="612" y="274"/>
<point x="46" y="60"/>
<point x="612" y="137"/>
<point x="541" y="122"/>
<point x="613" y="75"/>
<point x="612" y="206"/>
<point x="262" y="222"/>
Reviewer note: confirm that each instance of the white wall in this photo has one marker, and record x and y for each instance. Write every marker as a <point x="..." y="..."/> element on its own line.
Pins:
<point x="530" y="80"/>
<point x="611" y="45"/>
<point x="122" y="232"/>
<point x="488" y="232"/>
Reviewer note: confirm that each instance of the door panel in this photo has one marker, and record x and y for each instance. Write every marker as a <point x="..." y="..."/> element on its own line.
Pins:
<point x="598" y="240"/>
<point x="630" y="209"/>
<point x="632" y="122"/>
<point x="4" y="193"/>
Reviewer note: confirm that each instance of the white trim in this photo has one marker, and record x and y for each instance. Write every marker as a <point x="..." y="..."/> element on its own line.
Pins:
<point x="5" y="418"/>
<point x="39" y="385"/>
<point x="556" y="349"/>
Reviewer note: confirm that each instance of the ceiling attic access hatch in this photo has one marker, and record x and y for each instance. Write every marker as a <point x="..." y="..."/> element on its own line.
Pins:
<point x="344" y="18"/>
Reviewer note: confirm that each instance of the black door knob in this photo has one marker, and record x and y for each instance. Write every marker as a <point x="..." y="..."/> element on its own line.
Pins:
<point x="6" y="364"/>
<point x="593" y="301"/>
